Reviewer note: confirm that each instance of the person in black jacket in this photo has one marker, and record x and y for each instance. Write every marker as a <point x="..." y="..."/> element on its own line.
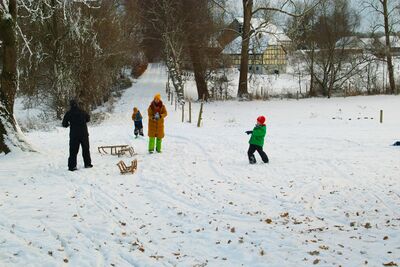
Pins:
<point x="76" y="118"/>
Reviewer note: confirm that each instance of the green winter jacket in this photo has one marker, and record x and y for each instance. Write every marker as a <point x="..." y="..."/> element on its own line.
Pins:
<point x="257" y="137"/>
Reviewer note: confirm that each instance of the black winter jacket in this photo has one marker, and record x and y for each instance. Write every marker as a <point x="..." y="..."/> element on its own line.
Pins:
<point x="77" y="119"/>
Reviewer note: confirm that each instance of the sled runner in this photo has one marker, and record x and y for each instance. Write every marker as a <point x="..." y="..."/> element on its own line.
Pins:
<point x="129" y="150"/>
<point x="127" y="169"/>
<point x="118" y="150"/>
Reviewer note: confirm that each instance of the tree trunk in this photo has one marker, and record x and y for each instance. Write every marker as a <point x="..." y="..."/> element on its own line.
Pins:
<point x="244" y="60"/>
<point x="55" y="71"/>
<point x="174" y="69"/>
<point x="8" y="76"/>
<point x="9" y="73"/>
<point x="312" y="91"/>
<point x="9" y="134"/>
<point x="198" y="70"/>
<point x="388" y="48"/>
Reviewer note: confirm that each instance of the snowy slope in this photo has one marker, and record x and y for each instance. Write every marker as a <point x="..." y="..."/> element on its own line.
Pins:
<point x="330" y="196"/>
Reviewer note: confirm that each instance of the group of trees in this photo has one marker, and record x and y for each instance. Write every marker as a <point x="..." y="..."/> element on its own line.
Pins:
<point x="184" y="29"/>
<point x="56" y="50"/>
<point x="330" y="52"/>
<point x="73" y="49"/>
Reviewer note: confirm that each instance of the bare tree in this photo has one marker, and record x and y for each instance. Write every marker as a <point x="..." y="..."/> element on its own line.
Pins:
<point x="300" y="30"/>
<point x="185" y="28"/>
<point x="163" y="22"/>
<point x="198" y="29"/>
<point x="248" y="12"/>
<point x="335" y="23"/>
<point x="386" y="10"/>
<point x="330" y="51"/>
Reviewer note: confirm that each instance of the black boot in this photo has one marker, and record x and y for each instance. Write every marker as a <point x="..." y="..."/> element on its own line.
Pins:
<point x="252" y="159"/>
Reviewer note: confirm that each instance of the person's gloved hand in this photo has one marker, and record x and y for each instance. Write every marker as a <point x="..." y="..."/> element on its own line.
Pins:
<point x="157" y="116"/>
<point x="249" y="132"/>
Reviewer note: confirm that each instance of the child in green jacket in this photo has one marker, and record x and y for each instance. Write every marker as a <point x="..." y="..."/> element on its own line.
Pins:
<point x="257" y="141"/>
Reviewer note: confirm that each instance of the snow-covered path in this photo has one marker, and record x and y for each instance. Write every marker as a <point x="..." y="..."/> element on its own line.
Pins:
<point x="331" y="195"/>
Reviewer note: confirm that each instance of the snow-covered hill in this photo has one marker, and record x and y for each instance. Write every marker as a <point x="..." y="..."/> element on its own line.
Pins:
<point x="330" y="195"/>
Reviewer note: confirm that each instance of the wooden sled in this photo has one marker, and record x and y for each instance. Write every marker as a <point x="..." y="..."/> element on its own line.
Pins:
<point x="127" y="169"/>
<point x="118" y="150"/>
<point x="129" y="150"/>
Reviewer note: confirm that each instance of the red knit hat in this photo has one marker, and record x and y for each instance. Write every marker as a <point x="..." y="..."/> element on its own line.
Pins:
<point x="261" y="120"/>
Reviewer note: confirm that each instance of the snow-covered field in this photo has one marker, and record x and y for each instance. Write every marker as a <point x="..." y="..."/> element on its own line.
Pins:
<point x="330" y="195"/>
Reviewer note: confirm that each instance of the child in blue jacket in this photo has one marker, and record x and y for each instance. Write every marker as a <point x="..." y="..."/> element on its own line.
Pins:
<point x="137" y="119"/>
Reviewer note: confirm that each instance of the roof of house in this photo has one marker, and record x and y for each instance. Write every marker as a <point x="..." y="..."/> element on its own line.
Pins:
<point x="265" y="34"/>
<point x="394" y="41"/>
<point x="354" y="42"/>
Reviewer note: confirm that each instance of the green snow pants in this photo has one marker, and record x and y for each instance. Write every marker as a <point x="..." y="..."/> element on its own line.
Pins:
<point x="155" y="141"/>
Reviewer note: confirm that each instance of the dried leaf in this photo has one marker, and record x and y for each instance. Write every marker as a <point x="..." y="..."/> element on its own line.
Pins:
<point x="285" y="214"/>
<point x="313" y="253"/>
<point x="390" y="264"/>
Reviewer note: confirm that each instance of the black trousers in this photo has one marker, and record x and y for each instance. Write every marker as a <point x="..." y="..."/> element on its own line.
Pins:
<point x="74" y="143"/>
<point x="138" y="128"/>
<point x="259" y="149"/>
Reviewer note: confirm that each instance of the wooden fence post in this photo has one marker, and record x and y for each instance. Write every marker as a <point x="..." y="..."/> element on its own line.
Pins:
<point x="200" y="112"/>
<point x="190" y="111"/>
<point x="183" y="112"/>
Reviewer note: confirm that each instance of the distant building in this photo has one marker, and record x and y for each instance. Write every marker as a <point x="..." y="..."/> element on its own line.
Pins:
<point x="375" y="46"/>
<point x="268" y="48"/>
<point x="394" y="44"/>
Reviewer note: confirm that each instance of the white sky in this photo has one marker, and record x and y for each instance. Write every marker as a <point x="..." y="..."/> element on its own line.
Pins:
<point x="367" y="17"/>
